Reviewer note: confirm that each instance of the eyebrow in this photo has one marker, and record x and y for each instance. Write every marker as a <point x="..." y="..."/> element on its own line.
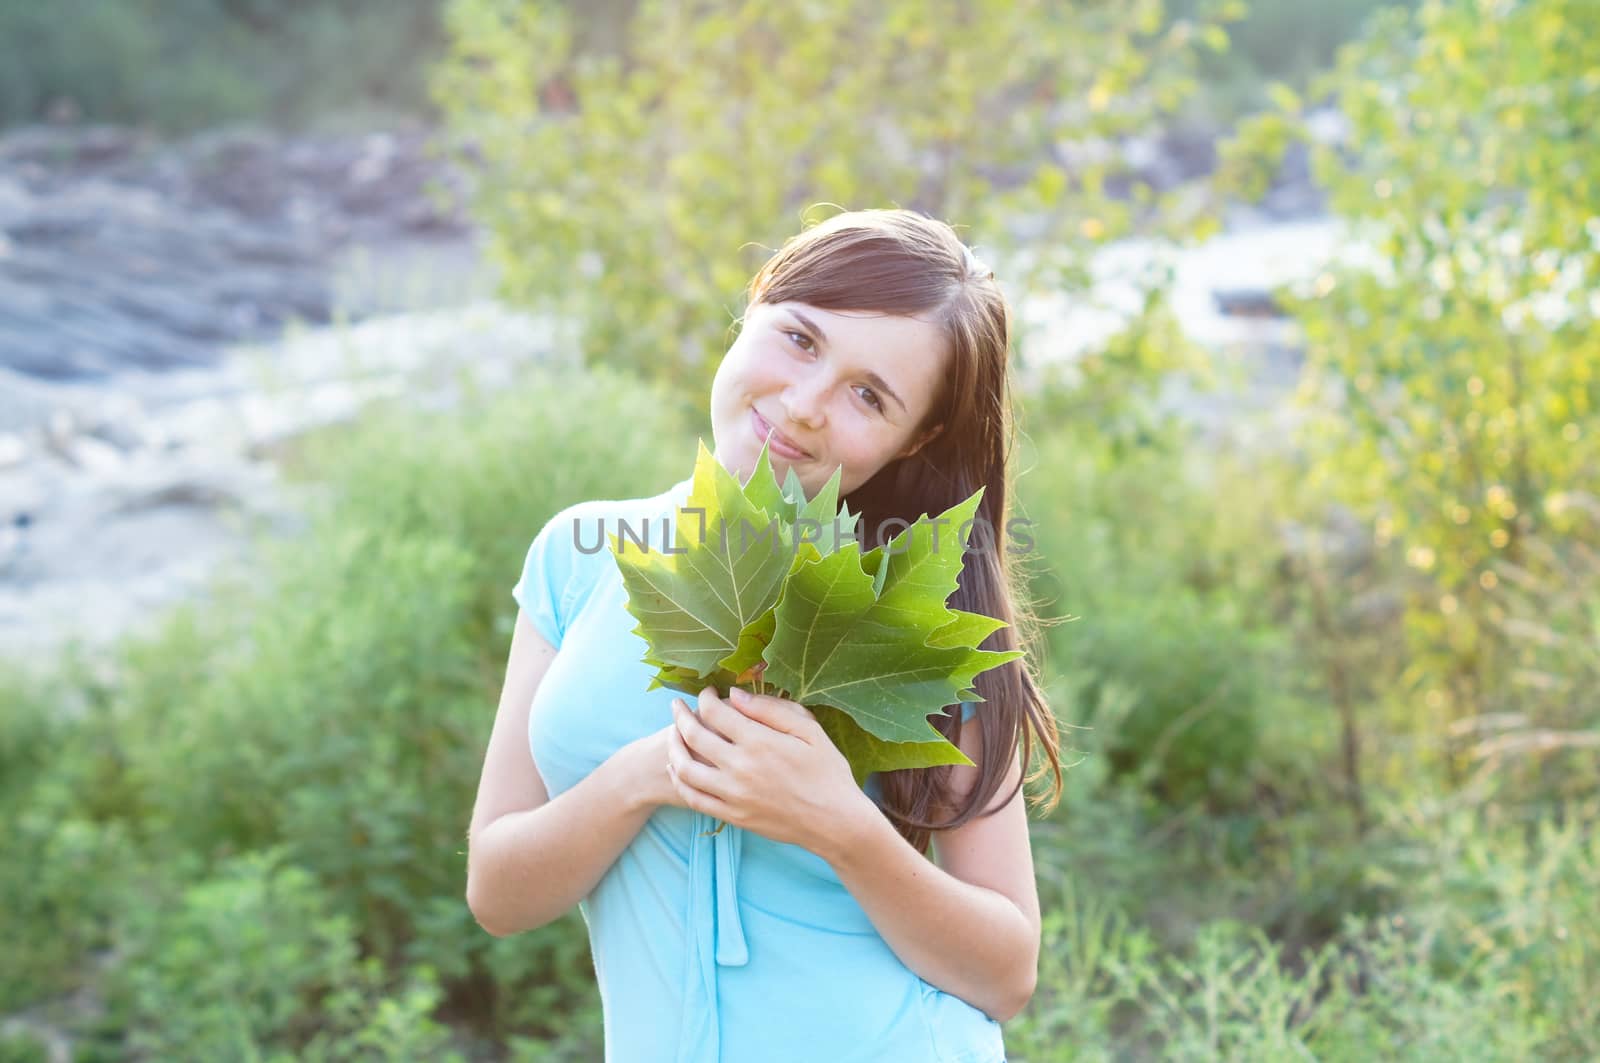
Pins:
<point x="872" y="378"/>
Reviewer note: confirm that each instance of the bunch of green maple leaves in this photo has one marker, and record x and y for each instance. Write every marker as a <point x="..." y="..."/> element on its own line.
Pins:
<point x="768" y="589"/>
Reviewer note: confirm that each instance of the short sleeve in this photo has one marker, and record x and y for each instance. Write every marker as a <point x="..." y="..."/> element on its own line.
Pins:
<point x="542" y="589"/>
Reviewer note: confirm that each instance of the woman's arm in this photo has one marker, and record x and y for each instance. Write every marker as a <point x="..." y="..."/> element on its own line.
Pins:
<point x="970" y="927"/>
<point x="531" y="859"/>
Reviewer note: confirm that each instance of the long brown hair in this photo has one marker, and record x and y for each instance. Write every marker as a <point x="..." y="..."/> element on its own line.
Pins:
<point x="904" y="263"/>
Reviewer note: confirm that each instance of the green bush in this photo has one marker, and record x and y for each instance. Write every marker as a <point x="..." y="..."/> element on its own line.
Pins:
<point x="1193" y="730"/>
<point x="537" y="987"/>
<point x="344" y="730"/>
<point x="1276" y="41"/>
<point x="1543" y="749"/>
<point x="30" y="729"/>
<point x="59" y="890"/>
<point x="1373" y="994"/>
<point x="1516" y="903"/>
<point x="1166" y="579"/>
<point x="1491" y="944"/>
<point x="58" y="881"/>
<point x="23" y="1047"/>
<point x="487" y="476"/>
<point x="180" y="65"/>
<point x="254" y="962"/>
<point x="1377" y="991"/>
<point x="232" y="962"/>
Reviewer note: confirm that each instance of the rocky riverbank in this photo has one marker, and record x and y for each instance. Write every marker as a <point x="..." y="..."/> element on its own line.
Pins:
<point x="119" y="253"/>
<point x="126" y="500"/>
<point x="166" y="323"/>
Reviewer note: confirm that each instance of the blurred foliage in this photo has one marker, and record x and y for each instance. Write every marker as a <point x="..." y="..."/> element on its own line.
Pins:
<point x="638" y="192"/>
<point x="1516" y="900"/>
<point x="180" y="65"/>
<point x="1172" y="674"/>
<point x="32" y="727"/>
<point x="21" y="1046"/>
<point x="1542" y="746"/>
<point x="1452" y="355"/>
<point x="58" y="882"/>
<point x="293" y="985"/>
<point x="1491" y="944"/>
<point x="1284" y="41"/>
<point x="1158" y="557"/>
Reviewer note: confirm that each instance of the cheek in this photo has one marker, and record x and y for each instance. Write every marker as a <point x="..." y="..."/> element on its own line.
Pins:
<point x="865" y="449"/>
<point x="719" y="383"/>
<point x="745" y="371"/>
<point x="731" y="381"/>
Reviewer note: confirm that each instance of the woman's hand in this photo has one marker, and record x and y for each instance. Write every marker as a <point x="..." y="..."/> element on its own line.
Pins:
<point x="762" y="763"/>
<point x="651" y="754"/>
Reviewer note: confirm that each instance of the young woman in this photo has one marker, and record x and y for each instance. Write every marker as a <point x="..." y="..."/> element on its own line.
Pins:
<point x="812" y="926"/>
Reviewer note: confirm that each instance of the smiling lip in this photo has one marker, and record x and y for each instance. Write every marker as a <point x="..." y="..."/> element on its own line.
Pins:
<point x="780" y="444"/>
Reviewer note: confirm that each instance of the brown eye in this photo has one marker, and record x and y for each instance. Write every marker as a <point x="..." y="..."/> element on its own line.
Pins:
<point x="806" y="345"/>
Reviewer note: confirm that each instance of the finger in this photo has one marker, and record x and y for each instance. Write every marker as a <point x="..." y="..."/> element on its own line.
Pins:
<point x="729" y="723"/>
<point x="701" y="801"/>
<point x="677" y="752"/>
<point x="780" y="714"/>
<point x="679" y="756"/>
<point x="691" y="735"/>
<point x="688" y="772"/>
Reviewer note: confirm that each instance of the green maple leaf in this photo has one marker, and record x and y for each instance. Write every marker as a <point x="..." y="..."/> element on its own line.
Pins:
<point x="752" y="648"/>
<point x="881" y="646"/>
<point x="769" y="588"/>
<point x="819" y="516"/>
<point x="725" y="572"/>
<point x="867" y="753"/>
<point x="705" y="607"/>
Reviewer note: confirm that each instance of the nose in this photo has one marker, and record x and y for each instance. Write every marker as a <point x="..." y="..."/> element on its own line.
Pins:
<point x="804" y="399"/>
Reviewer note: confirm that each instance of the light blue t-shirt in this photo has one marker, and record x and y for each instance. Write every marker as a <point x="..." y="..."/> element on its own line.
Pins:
<point x="731" y="948"/>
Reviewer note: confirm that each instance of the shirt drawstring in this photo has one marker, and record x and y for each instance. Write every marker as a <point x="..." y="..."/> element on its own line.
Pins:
<point x="716" y="934"/>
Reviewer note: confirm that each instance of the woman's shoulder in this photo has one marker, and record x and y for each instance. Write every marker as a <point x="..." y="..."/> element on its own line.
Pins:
<point x="570" y="555"/>
<point x="615" y="511"/>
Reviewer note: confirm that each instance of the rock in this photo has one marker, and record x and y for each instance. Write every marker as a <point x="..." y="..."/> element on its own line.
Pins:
<point x="178" y="493"/>
<point x="131" y="493"/>
<point x="116" y="254"/>
<point x="90" y="454"/>
<point x="1192" y="149"/>
<point x="124" y="437"/>
<point x="1247" y="302"/>
<point x="1340" y="542"/>
<point x="72" y="146"/>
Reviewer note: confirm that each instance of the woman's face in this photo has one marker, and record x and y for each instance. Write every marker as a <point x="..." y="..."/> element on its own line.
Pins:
<point x="844" y="388"/>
